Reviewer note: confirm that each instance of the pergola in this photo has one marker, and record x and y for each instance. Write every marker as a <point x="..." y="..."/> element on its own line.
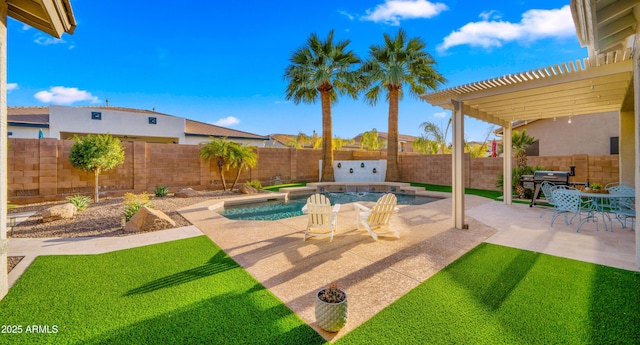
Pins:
<point x="53" y="17"/>
<point x="603" y="82"/>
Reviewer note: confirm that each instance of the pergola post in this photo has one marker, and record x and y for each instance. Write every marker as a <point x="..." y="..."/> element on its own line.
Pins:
<point x="636" y="104"/>
<point x="507" y="151"/>
<point x="457" y="183"/>
<point x="4" y="243"/>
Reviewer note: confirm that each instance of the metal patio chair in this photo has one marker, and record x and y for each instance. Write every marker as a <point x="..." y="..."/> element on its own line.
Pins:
<point x="569" y="201"/>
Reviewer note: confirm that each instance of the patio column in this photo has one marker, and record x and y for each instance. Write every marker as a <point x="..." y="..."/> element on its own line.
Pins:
<point x="4" y="243"/>
<point x="636" y="105"/>
<point x="507" y="148"/>
<point x="457" y="181"/>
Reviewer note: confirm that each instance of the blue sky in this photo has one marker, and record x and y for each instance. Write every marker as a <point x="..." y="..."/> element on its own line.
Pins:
<point x="222" y="62"/>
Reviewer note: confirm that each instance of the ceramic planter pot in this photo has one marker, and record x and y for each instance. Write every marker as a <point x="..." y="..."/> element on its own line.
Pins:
<point x="331" y="316"/>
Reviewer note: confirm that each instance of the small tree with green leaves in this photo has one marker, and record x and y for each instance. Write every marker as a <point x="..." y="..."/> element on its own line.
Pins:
<point x="96" y="153"/>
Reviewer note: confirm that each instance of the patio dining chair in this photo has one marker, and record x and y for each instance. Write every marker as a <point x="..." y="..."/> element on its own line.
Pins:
<point x="619" y="188"/>
<point x="377" y="220"/>
<point x="624" y="209"/>
<point x="323" y="218"/>
<point x="568" y="201"/>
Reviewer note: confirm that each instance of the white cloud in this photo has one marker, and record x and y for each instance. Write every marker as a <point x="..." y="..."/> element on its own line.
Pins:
<point x="535" y="25"/>
<point x="440" y="115"/>
<point x="493" y="14"/>
<point x="65" y="95"/>
<point x="347" y="14"/>
<point x="227" y="121"/>
<point x="392" y="11"/>
<point x="11" y="86"/>
<point x="45" y="41"/>
<point x="26" y="27"/>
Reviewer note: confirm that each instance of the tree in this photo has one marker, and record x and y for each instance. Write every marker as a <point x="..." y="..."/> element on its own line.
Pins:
<point x="96" y="153"/>
<point x="218" y="149"/>
<point x="241" y="157"/>
<point x="437" y="134"/>
<point x="395" y="63"/>
<point x="520" y="142"/>
<point x="425" y="145"/>
<point x="370" y="141"/>
<point x="338" y="142"/>
<point x="299" y="141"/>
<point x="322" y="69"/>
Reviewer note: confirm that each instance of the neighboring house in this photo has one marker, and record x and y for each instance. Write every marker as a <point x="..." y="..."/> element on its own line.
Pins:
<point x="62" y="122"/>
<point x="595" y="134"/>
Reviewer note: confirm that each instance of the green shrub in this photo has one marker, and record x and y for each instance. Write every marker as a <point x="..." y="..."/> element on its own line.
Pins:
<point x="516" y="173"/>
<point x="254" y="183"/>
<point x="81" y="202"/>
<point x="162" y="191"/>
<point x="133" y="202"/>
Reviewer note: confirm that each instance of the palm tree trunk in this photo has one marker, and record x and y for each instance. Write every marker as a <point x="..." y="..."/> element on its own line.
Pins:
<point x="224" y="182"/>
<point x="327" y="136"/>
<point x="392" y="140"/>
<point x="237" y="177"/>
<point x="96" y="173"/>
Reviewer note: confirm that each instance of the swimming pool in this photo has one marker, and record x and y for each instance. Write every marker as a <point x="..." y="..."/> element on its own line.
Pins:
<point x="279" y="209"/>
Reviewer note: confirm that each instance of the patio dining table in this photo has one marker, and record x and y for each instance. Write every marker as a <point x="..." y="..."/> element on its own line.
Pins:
<point x="601" y="202"/>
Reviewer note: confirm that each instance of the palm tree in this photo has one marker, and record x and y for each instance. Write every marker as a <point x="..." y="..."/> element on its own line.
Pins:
<point x="393" y="64"/>
<point x="322" y="69"/>
<point x="520" y="143"/>
<point x="435" y="133"/>
<point x="241" y="157"/>
<point x="339" y="143"/>
<point x="218" y="149"/>
<point x="299" y="141"/>
<point x="425" y="145"/>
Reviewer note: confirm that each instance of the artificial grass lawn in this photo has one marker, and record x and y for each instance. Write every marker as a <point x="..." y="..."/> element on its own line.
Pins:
<point x="181" y="292"/>
<point x="501" y="295"/>
<point x="189" y="291"/>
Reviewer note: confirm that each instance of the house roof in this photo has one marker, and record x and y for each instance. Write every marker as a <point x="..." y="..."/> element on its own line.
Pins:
<point x="54" y="17"/>
<point x="28" y="116"/>
<point x="197" y="128"/>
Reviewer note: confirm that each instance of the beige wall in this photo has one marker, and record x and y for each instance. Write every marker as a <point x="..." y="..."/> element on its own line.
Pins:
<point x="586" y="134"/>
<point x="39" y="169"/>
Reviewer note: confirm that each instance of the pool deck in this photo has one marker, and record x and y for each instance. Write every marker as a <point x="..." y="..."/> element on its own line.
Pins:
<point x="376" y="273"/>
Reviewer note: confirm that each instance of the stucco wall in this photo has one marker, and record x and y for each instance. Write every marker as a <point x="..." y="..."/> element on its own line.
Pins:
<point x="586" y="134"/>
<point x="78" y="120"/>
<point x="39" y="169"/>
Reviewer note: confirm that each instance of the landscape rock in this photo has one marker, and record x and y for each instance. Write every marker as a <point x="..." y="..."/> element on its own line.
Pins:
<point x="64" y="211"/>
<point x="186" y="193"/>
<point x="148" y="219"/>
<point x="244" y="189"/>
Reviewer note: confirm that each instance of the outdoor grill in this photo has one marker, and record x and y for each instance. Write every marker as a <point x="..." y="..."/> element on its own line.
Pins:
<point x="555" y="177"/>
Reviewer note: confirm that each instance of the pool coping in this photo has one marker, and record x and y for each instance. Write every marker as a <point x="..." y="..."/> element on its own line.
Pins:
<point x="371" y="187"/>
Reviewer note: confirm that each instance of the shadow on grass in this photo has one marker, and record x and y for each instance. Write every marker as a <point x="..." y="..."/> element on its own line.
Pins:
<point x="219" y="263"/>
<point x="244" y="317"/>
<point x="503" y="278"/>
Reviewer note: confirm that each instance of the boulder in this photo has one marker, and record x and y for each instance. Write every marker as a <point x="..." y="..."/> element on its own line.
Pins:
<point x="64" y="211"/>
<point x="186" y="193"/>
<point x="244" y="189"/>
<point x="148" y="219"/>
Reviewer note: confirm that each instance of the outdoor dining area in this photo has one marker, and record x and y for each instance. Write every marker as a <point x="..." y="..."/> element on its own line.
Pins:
<point x="613" y="204"/>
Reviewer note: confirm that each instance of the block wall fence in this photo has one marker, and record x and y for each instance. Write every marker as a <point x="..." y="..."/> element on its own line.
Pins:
<point x="39" y="169"/>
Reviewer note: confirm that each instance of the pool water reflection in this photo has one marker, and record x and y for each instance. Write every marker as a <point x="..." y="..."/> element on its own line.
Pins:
<point x="279" y="209"/>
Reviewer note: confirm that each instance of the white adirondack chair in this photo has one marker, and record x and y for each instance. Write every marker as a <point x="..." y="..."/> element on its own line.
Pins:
<point x="323" y="218"/>
<point x="376" y="220"/>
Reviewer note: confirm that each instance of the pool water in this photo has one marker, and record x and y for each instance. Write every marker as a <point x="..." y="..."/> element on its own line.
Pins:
<point x="279" y="209"/>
